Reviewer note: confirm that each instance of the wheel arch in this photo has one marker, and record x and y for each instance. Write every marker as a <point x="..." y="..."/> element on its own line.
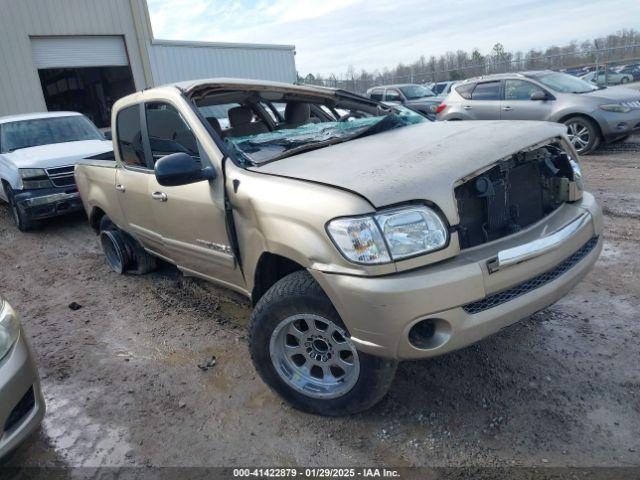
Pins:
<point x="586" y="116"/>
<point x="270" y="268"/>
<point x="95" y="217"/>
<point x="3" y="189"/>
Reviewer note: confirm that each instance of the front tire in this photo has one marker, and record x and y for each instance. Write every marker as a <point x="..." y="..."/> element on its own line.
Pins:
<point x="302" y="350"/>
<point x="624" y="80"/>
<point x="20" y="218"/>
<point x="583" y="134"/>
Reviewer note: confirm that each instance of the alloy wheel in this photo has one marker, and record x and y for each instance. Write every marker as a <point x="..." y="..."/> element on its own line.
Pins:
<point x="579" y="135"/>
<point x="314" y="356"/>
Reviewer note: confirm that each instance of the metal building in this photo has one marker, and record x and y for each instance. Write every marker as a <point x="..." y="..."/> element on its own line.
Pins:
<point x="83" y="55"/>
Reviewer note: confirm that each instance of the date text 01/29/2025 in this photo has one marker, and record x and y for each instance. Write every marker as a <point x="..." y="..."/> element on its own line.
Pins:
<point x="315" y="473"/>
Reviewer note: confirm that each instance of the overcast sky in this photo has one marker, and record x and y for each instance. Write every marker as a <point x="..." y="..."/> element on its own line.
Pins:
<point x="331" y="34"/>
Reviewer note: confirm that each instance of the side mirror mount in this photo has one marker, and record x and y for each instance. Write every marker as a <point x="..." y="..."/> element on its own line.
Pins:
<point x="539" y="95"/>
<point x="107" y="135"/>
<point x="181" y="169"/>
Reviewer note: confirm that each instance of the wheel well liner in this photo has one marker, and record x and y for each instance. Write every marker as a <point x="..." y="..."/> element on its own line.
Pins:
<point x="94" y="219"/>
<point x="269" y="270"/>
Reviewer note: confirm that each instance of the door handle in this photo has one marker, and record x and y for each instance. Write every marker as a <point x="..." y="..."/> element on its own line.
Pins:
<point x="160" y="196"/>
<point x="467" y="107"/>
<point x="507" y="108"/>
<point x="120" y="187"/>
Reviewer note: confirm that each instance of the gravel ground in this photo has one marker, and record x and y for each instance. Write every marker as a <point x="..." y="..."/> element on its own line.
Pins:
<point x="123" y="386"/>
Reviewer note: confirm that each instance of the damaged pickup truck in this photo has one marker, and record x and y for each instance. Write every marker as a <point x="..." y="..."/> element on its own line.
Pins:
<point x="363" y="234"/>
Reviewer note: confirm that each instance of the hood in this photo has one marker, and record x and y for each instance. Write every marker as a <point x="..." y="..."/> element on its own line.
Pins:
<point x="617" y="94"/>
<point x="57" y="154"/>
<point x="418" y="162"/>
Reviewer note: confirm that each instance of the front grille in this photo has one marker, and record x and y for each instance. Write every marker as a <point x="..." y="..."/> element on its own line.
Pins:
<point x="514" y="194"/>
<point x="632" y="104"/>
<point x="62" y="176"/>
<point x="21" y="410"/>
<point x="536" y="282"/>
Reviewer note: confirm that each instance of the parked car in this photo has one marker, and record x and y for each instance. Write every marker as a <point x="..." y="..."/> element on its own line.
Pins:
<point x="607" y="78"/>
<point x="633" y="70"/>
<point x="362" y="239"/>
<point x="415" y="97"/>
<point x="442" y="89"/>
<point x="22" y="405"/>
<point x="37" y="156"/>
<point x="592" y="115"/>
<point x="575" y="71"/>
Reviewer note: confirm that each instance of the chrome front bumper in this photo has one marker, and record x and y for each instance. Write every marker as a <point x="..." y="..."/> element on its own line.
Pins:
<point x="541" y="246"/>
<point x="46" y="199"/>
<point x="48" y="203"/>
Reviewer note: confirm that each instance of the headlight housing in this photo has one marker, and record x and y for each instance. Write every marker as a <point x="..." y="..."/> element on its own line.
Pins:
<point x="615" y="107"/>
<point x="9" y="328"/>
<point x="35" y="178"/>
<point x="389" y="235"/>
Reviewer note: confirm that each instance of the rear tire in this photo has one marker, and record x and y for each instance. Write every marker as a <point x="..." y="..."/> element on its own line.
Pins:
<point x="346" y="381"/>
<point x="624" y="80"/>
<point x="123" y="253"/>
<point x="20" y="218"/>
<point x="115" y="250"/>
<point x="583" y="134"/>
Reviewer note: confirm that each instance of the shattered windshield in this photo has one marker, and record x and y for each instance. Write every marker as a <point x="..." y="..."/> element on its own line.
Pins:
<point x="269" y="146"/>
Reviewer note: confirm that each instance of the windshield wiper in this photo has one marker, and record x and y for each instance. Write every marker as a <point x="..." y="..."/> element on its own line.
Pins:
<point x="10" y="150"/>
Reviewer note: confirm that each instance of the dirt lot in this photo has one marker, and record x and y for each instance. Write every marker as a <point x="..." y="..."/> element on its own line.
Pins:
<point x="123" y="387"/>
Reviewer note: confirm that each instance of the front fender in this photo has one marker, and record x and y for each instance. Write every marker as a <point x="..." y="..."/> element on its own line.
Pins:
<point x="10" y="174"/>
<point x="287" y="217"/>
<point x="564" y="113"/>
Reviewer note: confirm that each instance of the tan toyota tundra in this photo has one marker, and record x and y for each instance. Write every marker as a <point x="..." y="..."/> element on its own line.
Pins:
<point x="363" y="233"/>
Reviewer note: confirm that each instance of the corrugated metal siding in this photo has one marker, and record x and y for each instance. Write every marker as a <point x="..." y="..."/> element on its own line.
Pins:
<point x="21" y="20"/>
<point x="175" y="63"/>
<point x="20" y="89"/>
<point x="79" y="51"/>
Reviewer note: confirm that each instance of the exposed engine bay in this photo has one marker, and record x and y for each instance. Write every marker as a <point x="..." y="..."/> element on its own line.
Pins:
<point x="515" y="193"/>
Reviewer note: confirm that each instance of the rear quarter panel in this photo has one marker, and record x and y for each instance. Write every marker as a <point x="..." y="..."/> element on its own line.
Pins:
<point x="96" y="184"/>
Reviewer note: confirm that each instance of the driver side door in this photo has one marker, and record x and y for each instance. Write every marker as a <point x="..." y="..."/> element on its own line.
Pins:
<point x="191" y="218"/>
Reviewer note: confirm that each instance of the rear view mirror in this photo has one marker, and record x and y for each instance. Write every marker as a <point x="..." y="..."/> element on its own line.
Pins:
<point x="539" y="95"/>
<point x="181" y="169"/>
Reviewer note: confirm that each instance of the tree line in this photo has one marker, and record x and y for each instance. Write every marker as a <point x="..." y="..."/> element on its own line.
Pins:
<point x="618" y="47"/>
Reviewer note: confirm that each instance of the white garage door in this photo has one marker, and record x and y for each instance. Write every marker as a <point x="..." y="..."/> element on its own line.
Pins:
<point x="79" y="51"/>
